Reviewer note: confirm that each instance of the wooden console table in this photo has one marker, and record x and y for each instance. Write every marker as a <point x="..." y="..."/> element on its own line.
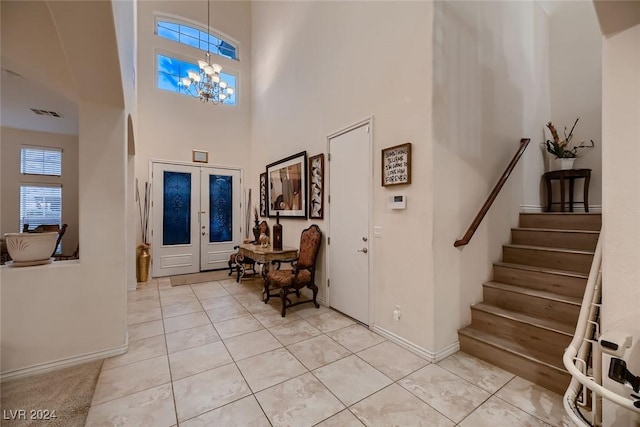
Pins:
<point x="264" y="256"/>
<point x="571" y="175"/>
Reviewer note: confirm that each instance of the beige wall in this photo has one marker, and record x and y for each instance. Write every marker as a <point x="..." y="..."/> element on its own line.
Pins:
<point x="69" y="312"/>
<point x="12" y="141"/>
<point x="621" y="207"/>
<point x="575" y="49"/>
<point x="320" y="67"/>
<point x="490" y="90"/>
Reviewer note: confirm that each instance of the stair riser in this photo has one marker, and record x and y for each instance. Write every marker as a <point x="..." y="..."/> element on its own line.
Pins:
<point x="562" y="221"/>
<point x="555" y="239"/>
<point x="533" y="306"/>
<point x="549" y="378"/>
<point x="577" y="262"/>
<point x="550" y="282"/>
<point x="525" y="334"/>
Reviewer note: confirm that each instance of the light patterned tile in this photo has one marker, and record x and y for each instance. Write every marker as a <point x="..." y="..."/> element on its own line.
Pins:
<point x="145" y="330"/>
<point x="152" y="407"/>
<point x="243" y="412"/>
<point x="251" y="344"/>
<point x="166" y="301"/>
<point x="146" y="348"/>
<point x="186" y="321"/>
<point x="147" y="294"/>
<point x="218" y="302"/>
<point x="308" y="310"/>
<point x="234" y="327"/>
<point x="131" y="378"/>
<point x="394" y="405"/>
<point x="535" y="400"/>
<point x="142" y="312"/>
<point x="300" y="402"/>
<point x="271" y="317"/>
<point x="444" y="391"/>
<point x="356" y="337"/>
<point x="351" y="379"/>
<point x="198" y="359"/>
<point x="318" y="351"/>
<point x="227" y="312"/>
<point x="195" y="395"/>
<point x="496" y="412"/>
<point x="341" y="419"/>
<point x="294" y="331"/>
<point x="175" y="290"/>
<point x="268" y="369"/>
<point x="209" y="290"/>
<point x="392" y="360"/>
<point x="181" y="309"/>
<point x="476" y="371"/>
<point x="330" y="321"/>
<point x="188" y="338"/>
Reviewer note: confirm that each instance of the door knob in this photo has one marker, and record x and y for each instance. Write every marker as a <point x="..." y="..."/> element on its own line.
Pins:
<point x="364" y="239"/>
<point x="203" y="233"/>
<point x="363" y="250"/>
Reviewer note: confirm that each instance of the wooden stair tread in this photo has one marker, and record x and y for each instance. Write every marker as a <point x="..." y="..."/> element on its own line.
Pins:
<point x="535" y="293"/>
<point x="537" y="356"/>
<point x="548" y="249"/>
<point x="557" y="230"/>
<point x="542" y="269"/>
<point x="551" y="325"/>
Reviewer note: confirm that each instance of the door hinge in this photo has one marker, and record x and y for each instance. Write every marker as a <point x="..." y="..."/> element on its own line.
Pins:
<point x="368" y="129"/>
<point x="328" y="283"/>
<point x="328" y="240"/>
<point x="329" y="157"/>
<point x="329" y="198"/>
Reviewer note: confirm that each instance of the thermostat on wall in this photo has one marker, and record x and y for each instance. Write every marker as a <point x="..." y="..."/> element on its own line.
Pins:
<point x="398" y="202"/>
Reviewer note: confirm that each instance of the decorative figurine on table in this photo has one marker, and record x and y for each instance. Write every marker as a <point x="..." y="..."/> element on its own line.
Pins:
<point x="256" y="229"/>
<point x="264" y="240"/>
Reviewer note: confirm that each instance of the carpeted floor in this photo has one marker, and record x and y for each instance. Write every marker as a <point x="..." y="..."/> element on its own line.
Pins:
<point x="205" y="276"/>
<point x="67" y="391"/>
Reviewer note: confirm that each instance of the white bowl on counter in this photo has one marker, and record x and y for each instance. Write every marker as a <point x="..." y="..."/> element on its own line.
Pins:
<point x="31" y="248"/>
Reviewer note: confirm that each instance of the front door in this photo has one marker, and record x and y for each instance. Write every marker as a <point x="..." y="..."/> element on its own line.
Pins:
<point x="350" y="176"/>
<point x="196" y="218"/>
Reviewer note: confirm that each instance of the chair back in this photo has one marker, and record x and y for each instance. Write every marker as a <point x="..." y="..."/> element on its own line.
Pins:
<point x="310" y="240"/>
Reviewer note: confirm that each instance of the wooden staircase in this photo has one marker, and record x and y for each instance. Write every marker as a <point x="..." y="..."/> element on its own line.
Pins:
<point x="531" y="306"/>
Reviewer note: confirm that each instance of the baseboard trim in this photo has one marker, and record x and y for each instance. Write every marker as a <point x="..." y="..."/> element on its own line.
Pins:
<point x="577" y="207"/>
<point x="64" y="363"/>
<point x="416" y="349"/>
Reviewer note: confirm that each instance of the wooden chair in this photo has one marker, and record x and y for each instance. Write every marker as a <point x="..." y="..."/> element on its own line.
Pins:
<point x="303" y="273"/>
<point x="44" y="228"/>
<point x="238" y="262"/>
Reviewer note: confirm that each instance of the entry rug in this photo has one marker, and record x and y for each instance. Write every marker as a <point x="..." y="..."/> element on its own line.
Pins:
<point x="59" y="398"/>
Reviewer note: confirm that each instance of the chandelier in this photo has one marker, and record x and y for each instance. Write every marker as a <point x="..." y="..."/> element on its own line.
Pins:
<point x="207" y="84"/>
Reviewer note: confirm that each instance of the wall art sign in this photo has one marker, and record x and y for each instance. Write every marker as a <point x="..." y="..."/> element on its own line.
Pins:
<point x="287" y="187"/>
<point x="316" y="186"/>
<point x="263" y="194"/>
<point x="396" y="165"/>
<point x="200" y="156"/>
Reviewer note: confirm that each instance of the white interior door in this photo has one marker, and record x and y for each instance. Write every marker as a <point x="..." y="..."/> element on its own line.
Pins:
<point x="196" y="218"/>
<point x="350" y="176"/>
<point x="176" y="202"/>
<point x="220" y="225"/>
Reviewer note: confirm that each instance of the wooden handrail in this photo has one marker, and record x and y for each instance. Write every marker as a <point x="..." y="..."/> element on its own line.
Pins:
<point x="492" y="197"/>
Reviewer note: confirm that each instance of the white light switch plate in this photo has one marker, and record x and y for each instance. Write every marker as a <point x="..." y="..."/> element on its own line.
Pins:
<point x="377" y="231"/>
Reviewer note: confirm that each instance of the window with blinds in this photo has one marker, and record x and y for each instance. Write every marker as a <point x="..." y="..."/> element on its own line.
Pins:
<point x="40" y="204"/>
<point x="41" y="161"/>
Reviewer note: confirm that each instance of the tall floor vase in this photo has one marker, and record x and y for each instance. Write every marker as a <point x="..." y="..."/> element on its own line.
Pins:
<point x="142" y="263"/>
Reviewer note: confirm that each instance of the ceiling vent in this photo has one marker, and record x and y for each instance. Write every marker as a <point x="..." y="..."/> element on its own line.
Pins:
<point x="46" y="113"/>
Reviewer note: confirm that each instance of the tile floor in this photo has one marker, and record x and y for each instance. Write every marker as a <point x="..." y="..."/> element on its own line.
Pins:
<point x="213" y="354"/>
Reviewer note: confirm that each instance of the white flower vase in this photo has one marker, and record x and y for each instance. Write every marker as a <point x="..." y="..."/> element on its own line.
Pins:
<point x="561" y="164"/>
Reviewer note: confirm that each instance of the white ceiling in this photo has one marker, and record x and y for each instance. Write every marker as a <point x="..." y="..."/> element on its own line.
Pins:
<point x="20" y="94"/>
